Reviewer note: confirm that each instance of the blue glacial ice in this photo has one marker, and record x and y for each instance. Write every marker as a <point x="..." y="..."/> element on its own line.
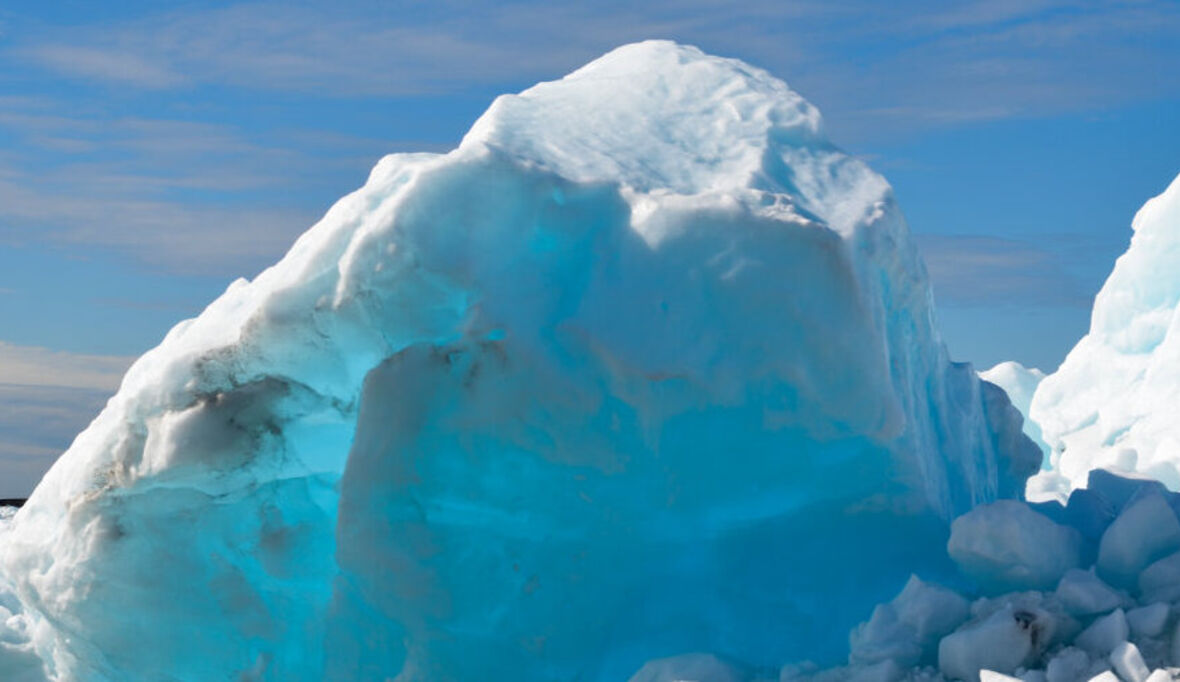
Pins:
<point x="645" y="366"/>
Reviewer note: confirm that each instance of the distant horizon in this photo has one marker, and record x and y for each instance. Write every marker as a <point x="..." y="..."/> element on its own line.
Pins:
<point x="151" y="155"/>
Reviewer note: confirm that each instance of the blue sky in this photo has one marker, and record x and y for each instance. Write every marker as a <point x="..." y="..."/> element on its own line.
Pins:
<point x="151" y="152"/>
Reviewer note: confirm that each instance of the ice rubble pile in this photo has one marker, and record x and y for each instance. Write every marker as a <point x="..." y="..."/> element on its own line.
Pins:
<point x="1089" y="590"/>
<point x="1113" y="402"/>
<point x="579" y="393"/>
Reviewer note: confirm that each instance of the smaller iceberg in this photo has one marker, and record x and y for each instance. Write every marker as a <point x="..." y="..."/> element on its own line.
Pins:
<point x="1113" y="402"/>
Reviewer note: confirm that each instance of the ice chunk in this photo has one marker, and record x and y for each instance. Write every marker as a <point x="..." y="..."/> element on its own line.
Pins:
<point x="884" y="637"/>
<point x="1160" y="675"/>
<point x="645" y="365"/>
<point x="907" y="629"/>
<point x="1105" y="676"/>
<point x="932" y="610"/>
<point x="1054" y="510"/>
<point x="1001" y="642"/>
<point x="1082" y="593"/>
<point x="1067" y="665"/>
<point x="1122" y="488"/>
<point x="993" y="676"/>
<point x="689" y="668"/>
<point x="1104" y="634"/>
<point x="1128" y="662"/>
<point x="1090" y="512"/>
<point x="1148" y="621"/>
<point x="1145" y="531"/>
<point x="1007" y="546"/>
<point x="1161" y="580"/>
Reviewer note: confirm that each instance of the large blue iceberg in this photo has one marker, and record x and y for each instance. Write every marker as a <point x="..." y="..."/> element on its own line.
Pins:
<point x="645" y="366"/>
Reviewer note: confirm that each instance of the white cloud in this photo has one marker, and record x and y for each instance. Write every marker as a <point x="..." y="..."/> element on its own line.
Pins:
<point x="43" y="367"/>
<point x="47" y="397"/>
<point x="104" y="64"/>
<point x="186" y="238"/>
<point x="190" y="196"/>
<point x="37" y="423"/>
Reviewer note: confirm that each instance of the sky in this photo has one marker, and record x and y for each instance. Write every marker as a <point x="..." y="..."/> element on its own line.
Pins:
<point x="152" y="152"/>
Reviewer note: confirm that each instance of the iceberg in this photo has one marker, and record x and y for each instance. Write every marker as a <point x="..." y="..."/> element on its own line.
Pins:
<point x="1111" y="403"/>
<point x="645" y="366"/>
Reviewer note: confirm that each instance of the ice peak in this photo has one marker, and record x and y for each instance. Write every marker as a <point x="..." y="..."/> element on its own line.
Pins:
<point x="1156" y="211"/>
<point x="656" y="115"/>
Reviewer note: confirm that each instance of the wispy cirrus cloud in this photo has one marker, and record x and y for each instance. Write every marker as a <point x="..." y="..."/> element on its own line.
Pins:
<point x="35" y="366"/>
<point x="95" y="205"/>
<point x="207" y="195"/>
<point x="46" y="398"/>
<point x="189" y="196"/>
<point x="1019" y="57"/>
<point x="104" y="64"/>
<point x="983" y="270"/>
<point x="37" y="424"/>
<point x="296" y="48"/>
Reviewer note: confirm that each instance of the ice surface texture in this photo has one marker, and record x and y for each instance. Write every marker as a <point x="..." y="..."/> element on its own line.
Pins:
<point x="645" y="366"/>
<point x="1113" y="402"/>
